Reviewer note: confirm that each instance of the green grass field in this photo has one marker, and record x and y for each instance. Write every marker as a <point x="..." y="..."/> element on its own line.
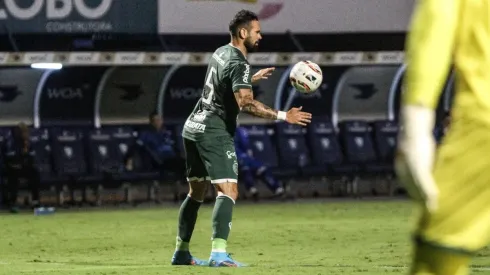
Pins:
<point x="349" y="237"/>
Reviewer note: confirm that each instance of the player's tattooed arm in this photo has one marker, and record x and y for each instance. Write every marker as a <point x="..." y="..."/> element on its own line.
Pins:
<point x="247" y="103"/>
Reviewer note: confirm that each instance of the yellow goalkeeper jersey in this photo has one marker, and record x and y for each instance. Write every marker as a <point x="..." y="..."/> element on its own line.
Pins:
<point x="445" y="32"/>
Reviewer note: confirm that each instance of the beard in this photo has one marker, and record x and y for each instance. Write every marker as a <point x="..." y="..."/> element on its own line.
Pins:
<point x="250" y="46"/>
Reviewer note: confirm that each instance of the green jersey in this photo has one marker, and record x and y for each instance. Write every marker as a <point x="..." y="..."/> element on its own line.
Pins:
<point x="216" y="112"/>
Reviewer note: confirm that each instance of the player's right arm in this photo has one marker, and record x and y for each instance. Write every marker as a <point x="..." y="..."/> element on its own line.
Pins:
<point x="241" y="84"/>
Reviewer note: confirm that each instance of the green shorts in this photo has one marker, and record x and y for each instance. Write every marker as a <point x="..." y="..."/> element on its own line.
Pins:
<point x="212" y="159"/>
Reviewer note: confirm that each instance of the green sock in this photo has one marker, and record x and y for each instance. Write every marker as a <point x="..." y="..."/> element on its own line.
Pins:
<point x="222" y="214"/>
<point x="187" y="221"/>
<point x="181" y="245"/>
<point x="218" y="245"/>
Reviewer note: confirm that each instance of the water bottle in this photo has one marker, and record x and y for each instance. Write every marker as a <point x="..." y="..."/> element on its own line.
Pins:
<point x="42" y="211"/>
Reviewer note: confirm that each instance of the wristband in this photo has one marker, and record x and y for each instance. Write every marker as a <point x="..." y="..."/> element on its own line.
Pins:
<point x="281" y="115"/>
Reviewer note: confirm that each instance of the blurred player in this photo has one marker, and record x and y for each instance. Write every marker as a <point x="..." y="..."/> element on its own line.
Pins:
<point x="208" y="137"/>
<point x="452" y="186"/>
<point x="251" y="168"/>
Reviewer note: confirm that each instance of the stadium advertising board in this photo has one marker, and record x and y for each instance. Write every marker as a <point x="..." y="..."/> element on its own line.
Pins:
<point x="78" y="16"/>
<point x="67" y="96"/>
<point x="278" y="16"/>
<point x="18" y="87"/>
<point x="128" y="94"/>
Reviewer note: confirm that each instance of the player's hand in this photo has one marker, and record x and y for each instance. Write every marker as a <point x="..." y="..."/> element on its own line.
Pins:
<point x="415" y="156"/>
<point x="296" y="116"/>
<point x="262" y="74"/>
<point x="420" y="186"/>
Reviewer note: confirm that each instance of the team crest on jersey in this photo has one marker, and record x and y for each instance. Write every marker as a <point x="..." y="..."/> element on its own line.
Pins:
<point x="231" y="154"/>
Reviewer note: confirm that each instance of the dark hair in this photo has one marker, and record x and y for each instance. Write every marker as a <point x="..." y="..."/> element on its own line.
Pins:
<point x="243" y="17"/>
<point x="152" y="115"/>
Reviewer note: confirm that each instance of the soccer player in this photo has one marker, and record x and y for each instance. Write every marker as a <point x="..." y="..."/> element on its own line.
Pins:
<point x="208" y="137"/>
<point x="452" y="187"/>
<point x="251" y="167"/>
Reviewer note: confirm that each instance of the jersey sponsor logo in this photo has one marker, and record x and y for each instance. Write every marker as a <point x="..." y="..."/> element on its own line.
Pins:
<point x="246" y="73"/>
<point x="199" y="117"/>
<point x="198" y="127"/>
<point x="231" y="154"/>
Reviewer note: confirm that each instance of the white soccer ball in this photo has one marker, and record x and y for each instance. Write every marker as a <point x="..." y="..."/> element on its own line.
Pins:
<point x="306" y="76"/>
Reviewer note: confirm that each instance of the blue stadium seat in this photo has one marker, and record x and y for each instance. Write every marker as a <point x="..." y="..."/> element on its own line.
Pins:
<point x="385" y="138"/>
<point x="5" y="134"/>
<point x="40" y="143"/>
<point x="293" y="152"/>
<point x="124" y="139"/>
<point x="103" y="159"/>
<point x="325" y="150"/>
<point x="263" y="149"/>
<point x="68" y="153"/>
<point x="359" y="147"/>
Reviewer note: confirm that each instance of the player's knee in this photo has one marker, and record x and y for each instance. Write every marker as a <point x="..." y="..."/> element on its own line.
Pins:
<point x="229" y="189"/>
<point x="198" y="189"/>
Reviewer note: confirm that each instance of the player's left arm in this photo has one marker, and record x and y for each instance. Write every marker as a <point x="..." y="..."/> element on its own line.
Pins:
<point x="429" y="51"/>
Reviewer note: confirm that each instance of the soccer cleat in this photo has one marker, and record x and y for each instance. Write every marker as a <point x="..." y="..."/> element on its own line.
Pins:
<point x="223" y="259"/>
<point x="185" y="258"/>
